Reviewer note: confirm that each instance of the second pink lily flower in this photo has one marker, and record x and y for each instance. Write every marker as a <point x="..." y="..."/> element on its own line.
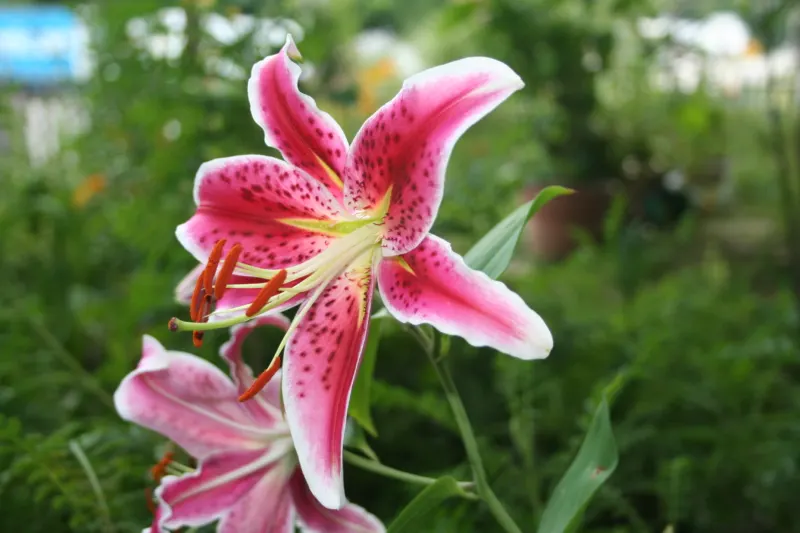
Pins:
<point x="332" y="220"/>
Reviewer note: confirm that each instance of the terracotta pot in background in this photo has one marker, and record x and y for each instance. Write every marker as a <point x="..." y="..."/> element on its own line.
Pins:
<point x="550" y="233"/>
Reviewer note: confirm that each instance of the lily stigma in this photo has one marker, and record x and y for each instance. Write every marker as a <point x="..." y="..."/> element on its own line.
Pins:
<point x="321" y="228"/>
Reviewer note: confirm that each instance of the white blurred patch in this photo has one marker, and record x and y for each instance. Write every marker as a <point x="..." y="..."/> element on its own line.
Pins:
<point x="163" y="37"/>
<point x="373" y="45"/>
<point x="172" y="130"/>
<point x="674" y="180"/>
<point x="719" y="50"/>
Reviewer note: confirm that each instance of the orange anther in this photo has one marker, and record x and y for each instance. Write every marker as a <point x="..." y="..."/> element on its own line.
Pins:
<point x="197" y="339"/>
<point x="159" y="470"/>
<point x="262" y="380"/>
<point x="203" y="307"/>
<point x="202" y="316"/>
<point x="194" y="306"/>
<point x="151" y="505"/>
<point x="267" y="291"/>
<point x="227" y="269"/>
<point x="211" y="265"/>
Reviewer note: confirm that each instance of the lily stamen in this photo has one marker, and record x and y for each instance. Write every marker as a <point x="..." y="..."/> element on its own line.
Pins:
<point x="201" y="316"/>
<point x="197" y="339"/>
<point x="309" y="275"/>
<point x="269" y="290"/>
<point x="262" y="380"/>
<point x="211" y="265"/>
<point x="226" y="271"/>
<point x="197" y="297"/>
<point x="159" y="470"/>
<point x="148" y="498"/>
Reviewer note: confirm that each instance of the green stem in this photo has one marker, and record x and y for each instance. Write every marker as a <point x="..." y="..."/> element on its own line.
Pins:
<point x="388" y="471"/>
<point x="76" y="450"/>
<point x="625" y="507"/>
<point x="468" y="437"/>
<point x="67" y="358"/>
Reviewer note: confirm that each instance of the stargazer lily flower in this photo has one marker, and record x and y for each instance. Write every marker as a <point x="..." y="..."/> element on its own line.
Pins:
<point x="326" y="224"/>
<point x="247" y="477"/>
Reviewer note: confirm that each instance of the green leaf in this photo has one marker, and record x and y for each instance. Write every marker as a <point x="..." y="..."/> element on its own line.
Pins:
<point x="383" y="313"/>
<point x="360" y="398"/>
<point x="355" y="439"/>
<point x="413" y="517"/>
<point x="596" y="460"/>
<point x="493" y="252"/>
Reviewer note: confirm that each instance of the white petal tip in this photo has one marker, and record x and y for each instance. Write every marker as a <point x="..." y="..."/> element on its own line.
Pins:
<point x="150" y="346"/>
<point x="325" y="492"/>
<point x="290" y="48"/>
<point x="539" y="344"/>
<point x="189" y="244"/>
<point x="540" y="348"/>
<point x="330" y="500"/>
<point x="544" y="353"/>
<point x="536" y="345"/>
<point x="148" y="341"/>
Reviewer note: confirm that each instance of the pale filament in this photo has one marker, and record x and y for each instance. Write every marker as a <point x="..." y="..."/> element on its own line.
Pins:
<point x="317" y="271"/>
<point x="342" y="246"/>
<point x="321" y="268"/>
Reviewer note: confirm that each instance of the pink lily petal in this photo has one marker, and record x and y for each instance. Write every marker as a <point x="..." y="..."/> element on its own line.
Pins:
<point x="266" y="405"/>
<point x="444" y="292"/>
<point x="187" y="399"/>
<point x="315" y="518"/>
<point x="243" y="198"/>
<point x="405" y="146"/>
<point x="220" y="482"/>
<point x="267" y="508"/>
<point x="322" y="356"/>
<point x="154" y="526"/>
<point x="307" y="137"/>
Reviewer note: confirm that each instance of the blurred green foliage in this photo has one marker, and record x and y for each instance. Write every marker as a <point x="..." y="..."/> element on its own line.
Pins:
<point x="699" y="334"/>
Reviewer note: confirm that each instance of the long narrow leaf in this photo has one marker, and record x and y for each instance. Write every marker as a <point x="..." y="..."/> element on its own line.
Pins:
<point x="595" y="462"/>
<point x="412" y="518"/>
<point x="360" y="398"/>
<point x="492" y="254"/>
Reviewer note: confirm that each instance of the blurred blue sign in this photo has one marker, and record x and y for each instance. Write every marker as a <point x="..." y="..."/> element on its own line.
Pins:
<point x="38" y="44"/>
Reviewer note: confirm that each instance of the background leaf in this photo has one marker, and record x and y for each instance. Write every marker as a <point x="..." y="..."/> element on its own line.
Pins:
<point x="355" y="439"/>
<point x="595" y="462"/>
<point x="413" y="517"/>
<point x="360" y="398"/>
<point x="493" y="252"/>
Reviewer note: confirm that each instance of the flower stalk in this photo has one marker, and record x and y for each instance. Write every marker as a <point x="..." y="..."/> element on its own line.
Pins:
<point x="436" y="355"/>
<point x="387" y="471"/>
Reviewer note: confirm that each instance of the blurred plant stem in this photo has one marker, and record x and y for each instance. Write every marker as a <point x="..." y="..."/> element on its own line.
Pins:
<point x="769" y="22"/>
<point x="388" y="471"/>
<point x="788" y="181"/>
<point x="436" y="350"/>
<point x="191" y="55"/>
<point x="73" y="364"/>
<point x="77" y="451"/>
